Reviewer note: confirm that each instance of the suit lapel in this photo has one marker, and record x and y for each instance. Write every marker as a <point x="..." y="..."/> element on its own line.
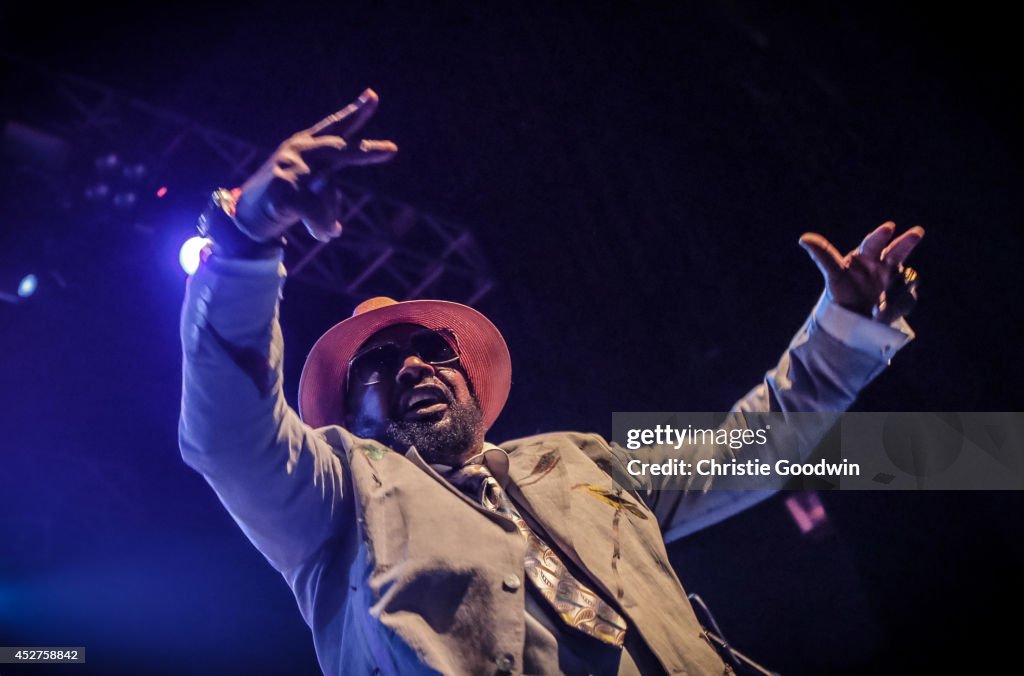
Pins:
<point x="579" y="507"/>
<point x="538" y="481"/>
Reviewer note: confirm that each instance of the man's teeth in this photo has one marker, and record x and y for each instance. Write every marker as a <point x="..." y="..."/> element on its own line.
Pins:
<point x="421" y="397"/>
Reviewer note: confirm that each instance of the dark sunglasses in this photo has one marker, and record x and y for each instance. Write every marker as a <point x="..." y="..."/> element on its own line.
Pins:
<point x="437" y="348"/>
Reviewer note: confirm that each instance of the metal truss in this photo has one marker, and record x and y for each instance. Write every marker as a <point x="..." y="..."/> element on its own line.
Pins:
<point x="389" y="248"/>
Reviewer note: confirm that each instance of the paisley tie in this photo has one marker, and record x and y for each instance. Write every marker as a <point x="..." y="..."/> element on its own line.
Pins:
<point x="578" y="605"/>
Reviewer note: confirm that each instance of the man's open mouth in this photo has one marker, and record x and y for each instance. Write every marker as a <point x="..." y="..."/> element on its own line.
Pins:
<point x="424" y="400"/>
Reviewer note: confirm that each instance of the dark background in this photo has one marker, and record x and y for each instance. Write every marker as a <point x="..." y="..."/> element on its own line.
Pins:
<point x="637" y="175"/>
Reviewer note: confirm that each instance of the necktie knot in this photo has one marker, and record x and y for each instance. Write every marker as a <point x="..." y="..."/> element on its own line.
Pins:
<point x="476" y="480"/>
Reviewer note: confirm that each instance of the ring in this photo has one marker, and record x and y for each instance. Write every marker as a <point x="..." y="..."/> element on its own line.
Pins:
<point x="901" y="296"/>
<point x="909" y="276"/>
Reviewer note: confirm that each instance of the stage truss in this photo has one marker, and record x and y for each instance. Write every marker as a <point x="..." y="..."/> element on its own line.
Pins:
<point x="388" y="247"/>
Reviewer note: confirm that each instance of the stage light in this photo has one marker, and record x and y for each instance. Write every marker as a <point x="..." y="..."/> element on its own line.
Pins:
<point x="162" y="191"/>
<point x="124" y="200"/>
<point x="189" y="254"/>
<point x="25" y="289"/>
<point x="97" y="192"/>
<point x="107" y="162"/>
<point x="28" y="285"/>
<point x="807" y="511"/>
<point x="134" y="172"/>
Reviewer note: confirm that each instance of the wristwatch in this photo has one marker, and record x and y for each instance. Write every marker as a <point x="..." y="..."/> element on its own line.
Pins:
<point x="217" y="223"/>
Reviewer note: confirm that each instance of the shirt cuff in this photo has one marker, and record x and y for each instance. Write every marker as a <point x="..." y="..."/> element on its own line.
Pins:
<point x="861" y="333"/>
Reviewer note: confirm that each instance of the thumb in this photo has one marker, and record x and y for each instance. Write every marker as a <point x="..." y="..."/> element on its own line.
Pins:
<point x="824" y="255"/>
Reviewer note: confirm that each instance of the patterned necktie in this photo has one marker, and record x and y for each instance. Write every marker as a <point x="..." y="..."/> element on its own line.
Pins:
<point x="578" y="605"/>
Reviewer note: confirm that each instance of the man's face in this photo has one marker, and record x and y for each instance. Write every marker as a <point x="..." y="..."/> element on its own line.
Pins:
<point x="404" y="388"/>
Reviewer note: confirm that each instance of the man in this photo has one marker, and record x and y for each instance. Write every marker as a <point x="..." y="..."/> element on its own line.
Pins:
<point x="411" y="543"/>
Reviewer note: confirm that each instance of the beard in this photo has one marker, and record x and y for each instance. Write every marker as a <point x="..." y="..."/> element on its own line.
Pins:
<point x="444" y="441"/>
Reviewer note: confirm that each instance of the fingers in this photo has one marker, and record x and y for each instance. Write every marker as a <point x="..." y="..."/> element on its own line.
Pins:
<point x="897" y="301"/>
<point x="349" y="120"/>
<point x="368" y="151"/>
<point x="321" y="234"/>
<point x="308" y="166"/>
<point x="328" y="145"/>
<point x="373" y="151"/>
<point x="875" y="247"/>
<point x="323" y="156"/>
<point x="320" y="213"/>
<point x="328" y="154"/>
<point x="298" y="181"/>
<point x="873" y="244"/>
<point x="294" y="198"/>
<point x="825" y="256"/>
<point x="290" y="162"/>
<point x="319" y="152"/>
<point x="897" y="252"/>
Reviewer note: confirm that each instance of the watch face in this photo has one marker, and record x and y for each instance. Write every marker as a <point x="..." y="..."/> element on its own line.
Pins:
<point x="218" y="224"/>
<point x="216" y="210"/>
<point x="225" y="200"/>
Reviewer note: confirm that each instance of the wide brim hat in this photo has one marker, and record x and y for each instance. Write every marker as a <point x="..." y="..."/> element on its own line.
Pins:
<point x="483" y="354"/>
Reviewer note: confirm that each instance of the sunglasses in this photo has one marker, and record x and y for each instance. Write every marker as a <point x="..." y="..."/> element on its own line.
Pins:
<point x="372" y="366"/>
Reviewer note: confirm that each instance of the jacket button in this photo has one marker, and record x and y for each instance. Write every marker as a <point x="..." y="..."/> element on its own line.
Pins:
<point x="505" y="662"/>
<point x="511" y="582"/>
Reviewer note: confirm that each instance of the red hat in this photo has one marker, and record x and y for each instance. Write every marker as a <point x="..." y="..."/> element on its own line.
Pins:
<point x="483" y="354"/>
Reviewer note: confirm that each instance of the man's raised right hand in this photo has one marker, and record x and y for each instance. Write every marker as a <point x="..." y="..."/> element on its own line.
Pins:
<point x="297" y="181"/>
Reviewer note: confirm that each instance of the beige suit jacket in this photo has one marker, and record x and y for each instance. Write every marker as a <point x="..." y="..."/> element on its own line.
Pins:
<point x="396" y="571"/>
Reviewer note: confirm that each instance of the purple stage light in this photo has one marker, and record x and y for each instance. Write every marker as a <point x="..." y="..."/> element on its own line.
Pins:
<point x="807" y="511"/>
